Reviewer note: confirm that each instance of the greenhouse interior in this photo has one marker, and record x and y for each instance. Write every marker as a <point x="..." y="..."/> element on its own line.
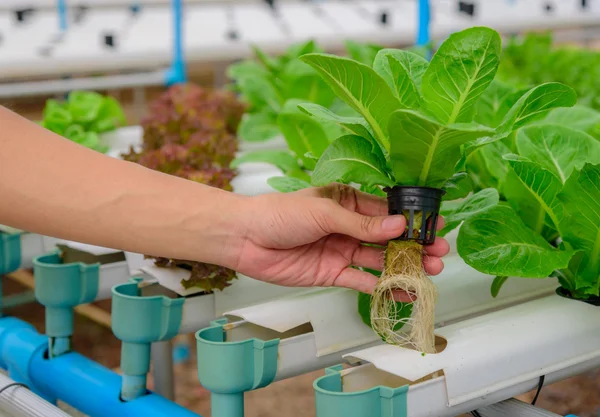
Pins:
<point x="184" y="229"/>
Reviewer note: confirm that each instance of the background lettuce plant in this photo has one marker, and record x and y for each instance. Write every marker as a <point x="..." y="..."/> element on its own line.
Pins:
<point x="274" y="87"/>
<point x="416" y="126"/>
<point x="190" y="132"/>
<point x="534" y="59"/>
<point x="83" y="116"/>
<point x="549" y="223"/>
<point x="266" y="83"/>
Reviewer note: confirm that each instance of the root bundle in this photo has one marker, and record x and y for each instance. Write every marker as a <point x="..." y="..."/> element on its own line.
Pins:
<point x="404" y="272"/>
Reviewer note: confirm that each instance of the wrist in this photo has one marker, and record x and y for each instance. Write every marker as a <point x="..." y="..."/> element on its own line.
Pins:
<point x="219" y="228"/>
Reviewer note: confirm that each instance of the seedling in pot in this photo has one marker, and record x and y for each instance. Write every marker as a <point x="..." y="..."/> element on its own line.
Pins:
<point x="412" y="137"/>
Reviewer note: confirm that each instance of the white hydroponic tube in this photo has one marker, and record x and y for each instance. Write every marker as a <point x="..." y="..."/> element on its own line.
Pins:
<point x="317" y="328"/>
<point x="487" y="359"/>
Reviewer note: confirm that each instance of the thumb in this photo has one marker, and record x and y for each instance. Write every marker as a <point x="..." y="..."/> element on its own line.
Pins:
<point x="371" y="229"/>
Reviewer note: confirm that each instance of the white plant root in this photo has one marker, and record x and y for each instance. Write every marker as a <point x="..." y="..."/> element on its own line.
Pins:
<point x="404" y="272"/>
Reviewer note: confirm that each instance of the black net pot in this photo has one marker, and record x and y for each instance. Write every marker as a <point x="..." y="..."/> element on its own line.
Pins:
<point x="415" y="202"/>
<point x="593" y="299"/>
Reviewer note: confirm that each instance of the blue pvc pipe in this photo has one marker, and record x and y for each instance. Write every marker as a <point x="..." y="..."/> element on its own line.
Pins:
<point x="73" y="378"/>
<point x="61" y="9"/>
<point x="177" y="73"/>
<point x="423" y="35"/>
<point x="227" y="405"/>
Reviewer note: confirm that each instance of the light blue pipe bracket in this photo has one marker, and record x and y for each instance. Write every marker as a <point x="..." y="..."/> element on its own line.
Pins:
<point x="61" y="287"/>
<point x="138" y="321"/>
<point x="10" y="252"/>
<point x="177" y="73"/>
<point x="423" y="32"/>
<point x="229" y="369"/>
<point x="61" y="10"/>
<point x="332" y="401"/>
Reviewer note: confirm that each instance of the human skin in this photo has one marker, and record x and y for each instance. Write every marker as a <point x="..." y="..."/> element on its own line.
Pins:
<point x="55" y="187"/>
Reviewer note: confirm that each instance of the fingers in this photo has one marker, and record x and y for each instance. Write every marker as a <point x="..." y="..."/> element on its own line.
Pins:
<point x="440" y="223"/>
<point x="365" y="282"/>
<point x="351" y="199"/>
<point x="370" y="205"/>
<point x="433" y="265"/>
<point x="439" y="248"/>
<point x="369" y="257"/>
<point x="371" y="229"/>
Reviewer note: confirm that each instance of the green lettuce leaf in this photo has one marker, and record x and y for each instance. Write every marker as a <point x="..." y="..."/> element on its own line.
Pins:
<point x="258" y="127"/>
<point x="403" y="71"/>
<point x="424" y="152"/>
<point x="351" y="159"/>
<point x="497" y="242"/>
<point x="360" y="87"/>
<point x="535" y="104"/>
<point x="459" y="72"/>
<point x="287" y="184"/>
<point x="283" y="160"/>
<point x="581" y="224"/>
<point x="472" y="205"/>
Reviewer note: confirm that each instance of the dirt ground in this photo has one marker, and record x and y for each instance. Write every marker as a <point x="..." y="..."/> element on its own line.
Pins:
<point x="289" y="398"/>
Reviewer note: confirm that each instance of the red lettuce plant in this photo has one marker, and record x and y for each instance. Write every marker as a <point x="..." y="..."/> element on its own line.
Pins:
<point x="190" y="132"/>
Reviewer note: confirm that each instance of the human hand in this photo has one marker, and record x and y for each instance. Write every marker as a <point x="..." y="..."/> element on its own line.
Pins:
<point x="312" y="237"/>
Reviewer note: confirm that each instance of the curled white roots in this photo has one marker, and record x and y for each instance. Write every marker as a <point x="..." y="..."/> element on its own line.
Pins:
<point x="404" y="272"/>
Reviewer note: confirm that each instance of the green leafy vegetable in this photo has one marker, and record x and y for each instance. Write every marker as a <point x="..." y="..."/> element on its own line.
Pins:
<point x="423" y="124"/>
<point x="287" y="184"/>
<point x="459" y="73"/>
<point x="351" y="159"/>
<point x="472" y="205"/>
<point x="82" y="117"/>
<point x="497" y="285"/>
<point x="283" y="160"/>
<point x="360" y="87"/>
<point x="497" y="242"/>
<point x="581" y="226"/>
<point x="403" y="71"/>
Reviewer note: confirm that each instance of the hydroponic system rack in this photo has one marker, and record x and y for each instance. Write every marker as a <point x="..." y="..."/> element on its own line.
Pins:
<point x="251" y="334"/>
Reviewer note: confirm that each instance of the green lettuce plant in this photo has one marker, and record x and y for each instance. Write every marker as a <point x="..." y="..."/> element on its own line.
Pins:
<point x="488" y="166"/>
<point x="266" y="83"/>
<point x="416" y="127"/>
<point x="83" y="116"/>
<point x="534" y="59"/>
<point x="565" y="193"/>
<point x="190" y="132"/>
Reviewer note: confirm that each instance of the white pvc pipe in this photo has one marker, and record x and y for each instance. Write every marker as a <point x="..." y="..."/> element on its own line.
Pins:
<point x="20" y="401"/>
<point x="39" y="88"/>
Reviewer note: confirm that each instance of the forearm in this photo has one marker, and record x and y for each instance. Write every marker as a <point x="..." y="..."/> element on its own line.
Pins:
<point x="51" y="186"/>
